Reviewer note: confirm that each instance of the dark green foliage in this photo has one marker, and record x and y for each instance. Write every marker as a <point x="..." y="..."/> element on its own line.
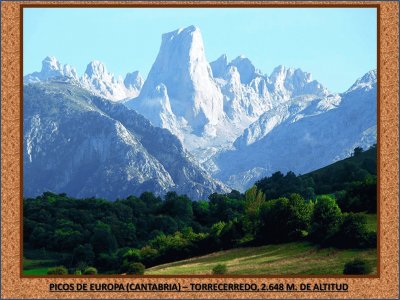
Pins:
<point x="39" y="237"/>
<point x="369" y="165"/>
<point x="279" y="185"/>
<point x="103" y="240"/>
<point x="359" y="196"/>
<point x="107" y="261"/>
<point x="284" y="219"/>
<point x="225" y="235"/>
<point x="325" y="220"/>
<point x="358" y="151"/>
<point x="134" y="268"/>
<point x="201" y="212"/>
<point x="90" y="271"/>
<point x="234" y="194"/>
<point x="357" y="267"/>
<point x="219" y="269"/>
<point x="339" y="175"/>
<point x="60" y="270"/>
<point x="353" y="233"/>
<point x="83" y="253"/>
<point x="253" y="201"/>
<point x="177" y="246"/>
<point x="132" y="255"/>
<point x="178" y="207"/>
<point x="148" y="255"/>
<point x="111" y="236"/>
<point x="224" y="208"/>
<point x="164" y="224"/>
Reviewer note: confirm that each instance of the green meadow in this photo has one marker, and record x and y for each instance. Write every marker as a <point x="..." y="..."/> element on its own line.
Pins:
<point x="282" y="259"/>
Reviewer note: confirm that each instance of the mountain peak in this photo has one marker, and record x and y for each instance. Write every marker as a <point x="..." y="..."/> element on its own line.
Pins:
<point x="219" y="66"/>
<point x="365" y="82"/>
<point x="245" y="68"/>
<point x="187" y="32"/>
<point x="102" y="83"/>
<point x="51" y="68"/>
<point x="181" y="65"/>
<point x="96" y="79"/>
<point x="96" y="69"/>
<point x="291" y="82"/>
<point x="133" y="80"/>
<point x="281" y="70"/>
<point x="50" y="63"/>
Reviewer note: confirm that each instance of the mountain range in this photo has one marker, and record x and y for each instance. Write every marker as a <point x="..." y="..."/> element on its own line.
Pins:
<point x="230" y="122"/>
<point x="84" y="145"/>
<point x="96" y="79"/>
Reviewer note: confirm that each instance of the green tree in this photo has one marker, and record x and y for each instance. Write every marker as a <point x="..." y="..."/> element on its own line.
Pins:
<point x="353" y="232"/>
<point x="325" y="220"/>
<point x="39" y="237"/>
<point x="83" y="253"/>
<point x="299" y="216"/>
<point x="254" y="199"/>
<point x="178" y="207"/>
<point x="201" y="211"/>
<point x="65" y="239"/>
<point x="284" y="219"/>
<point x="132" y="255"/>
<point x="357" y="151"/>
<point x="134" y="268"/>
<point x="148" y="255"/>
<point x="107" y="262"/>
<point x="361" y="196"/>
<point x="223" y="208"/>
<point x="165" y="224"/>
<point x="103" y="240"/>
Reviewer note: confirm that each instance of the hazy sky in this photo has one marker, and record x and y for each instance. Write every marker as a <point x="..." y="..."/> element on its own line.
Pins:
<point x="336" y="45"/>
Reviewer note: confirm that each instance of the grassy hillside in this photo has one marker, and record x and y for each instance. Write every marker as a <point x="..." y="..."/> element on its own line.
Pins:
<point x="336" y="176"/>
<point x="290" y="258"/>
<point x="358" y="160"/>
<point x="37" y="266"/>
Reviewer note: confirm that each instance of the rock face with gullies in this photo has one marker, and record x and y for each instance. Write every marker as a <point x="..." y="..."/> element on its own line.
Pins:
<point x="181" y="67"/>
<point x="84" y="145"/>
<point x="239" y="123"/>
<point x="302" y="136"/>
<point x="208" y="105"/>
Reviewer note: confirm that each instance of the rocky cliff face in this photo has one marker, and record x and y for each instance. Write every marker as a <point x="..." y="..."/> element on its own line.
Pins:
<point x="86" y="146"/>
<point x="183" y="71"/>
<point x="302" y="136"/>
<point x="209" y="105"/>
<point x="238" y="123"/>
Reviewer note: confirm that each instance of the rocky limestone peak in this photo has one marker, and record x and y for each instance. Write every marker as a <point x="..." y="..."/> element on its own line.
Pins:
<point x="181" y="65"/>
<point x="290" y="82"/>
<point x="365" y="82"/>
<point x="50" y="64"/>
<point x="97" y="69"/>
<point x="245" y="67"/>
<point x="133" y="80"/>
<point x="219" y="66"/>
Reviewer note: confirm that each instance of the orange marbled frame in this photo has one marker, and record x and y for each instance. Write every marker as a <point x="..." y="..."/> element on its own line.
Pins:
<point x="383" y="285"/>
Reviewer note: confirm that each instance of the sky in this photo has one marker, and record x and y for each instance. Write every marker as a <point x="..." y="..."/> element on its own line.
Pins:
<point x="335" y="45"/>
